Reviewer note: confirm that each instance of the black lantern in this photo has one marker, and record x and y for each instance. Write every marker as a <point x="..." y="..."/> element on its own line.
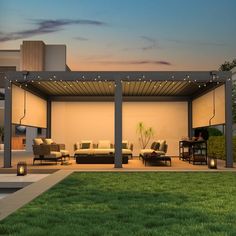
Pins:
<point x="21" y="168"/>
<point x="212" y="163"/>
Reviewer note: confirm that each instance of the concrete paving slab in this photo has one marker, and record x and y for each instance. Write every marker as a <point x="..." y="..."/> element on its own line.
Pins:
<point x="16" y="200"/>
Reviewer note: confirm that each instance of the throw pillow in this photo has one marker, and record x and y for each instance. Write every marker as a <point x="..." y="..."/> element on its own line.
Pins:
<point x="124" y="145"/>
<point x="157" y="146"/>
<point x="153" y="145"/>
<point x="85" y="146"/>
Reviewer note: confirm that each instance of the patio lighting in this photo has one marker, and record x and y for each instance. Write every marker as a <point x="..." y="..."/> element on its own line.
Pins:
<point x="21" y="168"/>
<point x="212" y="163"/>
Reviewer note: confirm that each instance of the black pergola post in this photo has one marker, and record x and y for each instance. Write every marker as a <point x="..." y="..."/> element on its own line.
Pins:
<point x="228" y="124"/>
<point x="118" y="124"/>
<point x="48" y="131"/>
<point x="190" y="119"/>
<point x="7" y="124"/>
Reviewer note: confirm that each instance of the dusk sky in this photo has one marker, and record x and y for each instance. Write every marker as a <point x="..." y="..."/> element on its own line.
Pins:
<point x="126" y="34"/>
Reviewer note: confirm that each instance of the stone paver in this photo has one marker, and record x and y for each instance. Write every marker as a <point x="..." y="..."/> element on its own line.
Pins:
<point x="18" y="199"/>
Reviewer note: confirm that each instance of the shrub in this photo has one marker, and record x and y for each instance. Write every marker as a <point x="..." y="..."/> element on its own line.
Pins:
<point x="216" y="145"/>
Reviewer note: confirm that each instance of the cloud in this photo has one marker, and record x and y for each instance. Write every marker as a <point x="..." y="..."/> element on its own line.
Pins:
<point x="138" y="62"/>
<point x="47" y="26"/>
<point x="152" y="43"/>
<point x="195" y="42"/>
<point x="81" y="38"/>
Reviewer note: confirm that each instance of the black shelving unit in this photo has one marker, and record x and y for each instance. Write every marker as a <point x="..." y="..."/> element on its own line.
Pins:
<point x="193" y="151"/>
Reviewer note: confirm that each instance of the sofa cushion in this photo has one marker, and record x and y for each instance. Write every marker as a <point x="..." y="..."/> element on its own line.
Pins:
<point x="38" y="141"/>
<point x="48" y="141"/>
<point x="54" y="155"/>
<point x="126" y="151"/>
<point x="156" y="146"/>
<point x="162" y="145"/>
<point x="64" y="152"/>
<point x="85" y="145"/>
<point x="103" y="144"/>
<point x="86" y="142"/>
<point x="103" y="151"/>
<point x="124" y="145"/>
<point x="85" y="151"/>
<point x="146" y="151"/>
<point x="153" y="145"/>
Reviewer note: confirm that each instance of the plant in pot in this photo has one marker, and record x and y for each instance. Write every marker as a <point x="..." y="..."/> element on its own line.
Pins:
<point x="145" y="134"/>
<point x="1" y="137"/>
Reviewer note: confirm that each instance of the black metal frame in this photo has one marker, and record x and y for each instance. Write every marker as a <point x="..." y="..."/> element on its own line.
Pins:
<point x="118" y="78"/>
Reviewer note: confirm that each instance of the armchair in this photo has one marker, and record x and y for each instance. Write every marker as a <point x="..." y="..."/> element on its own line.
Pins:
<point x="46" y="152"/>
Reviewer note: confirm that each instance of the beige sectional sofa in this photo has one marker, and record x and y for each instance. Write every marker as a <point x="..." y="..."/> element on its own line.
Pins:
<point x="102" y="151"/>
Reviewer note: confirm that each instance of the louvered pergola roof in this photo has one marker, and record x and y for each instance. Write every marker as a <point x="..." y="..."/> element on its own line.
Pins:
<point x="134" y="84"/>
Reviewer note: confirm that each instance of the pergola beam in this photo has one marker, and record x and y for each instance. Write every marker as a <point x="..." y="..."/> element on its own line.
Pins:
<point x="125" y="98"/>
<point x="199" y="76"/>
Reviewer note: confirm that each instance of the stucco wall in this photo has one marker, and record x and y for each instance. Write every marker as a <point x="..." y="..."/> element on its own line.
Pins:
<point x="75" y="121"/>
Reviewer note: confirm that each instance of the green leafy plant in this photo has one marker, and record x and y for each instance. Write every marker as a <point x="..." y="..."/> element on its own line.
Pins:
<point x="145" y="134"/>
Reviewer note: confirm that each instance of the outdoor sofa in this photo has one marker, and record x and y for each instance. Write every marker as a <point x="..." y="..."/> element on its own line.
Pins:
<point x="47" y="150"/>
<point x="156" y="153"/>
<point x="102" y="153"/>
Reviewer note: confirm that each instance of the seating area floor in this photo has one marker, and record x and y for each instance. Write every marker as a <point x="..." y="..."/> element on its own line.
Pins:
<point x="134" y="165"/>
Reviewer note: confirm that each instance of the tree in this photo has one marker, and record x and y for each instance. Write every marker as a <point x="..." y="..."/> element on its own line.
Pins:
<point x="227" y="66"/>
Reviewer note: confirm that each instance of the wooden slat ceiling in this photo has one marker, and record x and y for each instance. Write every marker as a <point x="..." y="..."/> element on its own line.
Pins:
<point x="139" y="88"/>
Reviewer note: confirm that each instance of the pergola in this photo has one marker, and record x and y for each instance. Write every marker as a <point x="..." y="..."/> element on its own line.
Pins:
<point x="118" y="87"/>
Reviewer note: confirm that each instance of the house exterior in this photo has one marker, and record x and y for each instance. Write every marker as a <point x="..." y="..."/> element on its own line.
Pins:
<point x="32" y="56"/>
<point x="72" y="106"/>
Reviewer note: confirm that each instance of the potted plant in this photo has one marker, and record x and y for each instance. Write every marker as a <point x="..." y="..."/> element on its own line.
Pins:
<point x="1" y="137"/>
<point x="145" y="134"/>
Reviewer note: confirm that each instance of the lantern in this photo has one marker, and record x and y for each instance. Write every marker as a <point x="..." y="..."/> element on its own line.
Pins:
<point x="21" y="168"/>
<point x="212" y="163"/>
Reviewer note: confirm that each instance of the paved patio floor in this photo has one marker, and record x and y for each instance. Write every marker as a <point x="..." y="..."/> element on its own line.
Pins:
<point x="133" y="165"/>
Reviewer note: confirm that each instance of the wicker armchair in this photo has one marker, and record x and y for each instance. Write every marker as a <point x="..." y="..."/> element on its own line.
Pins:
<point x="45" y="152"/>
<point x="62" y="147"/>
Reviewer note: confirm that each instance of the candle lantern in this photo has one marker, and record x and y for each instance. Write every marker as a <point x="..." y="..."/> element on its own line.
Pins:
<point x="212" y="163"/>
<point x="21" y="168"/>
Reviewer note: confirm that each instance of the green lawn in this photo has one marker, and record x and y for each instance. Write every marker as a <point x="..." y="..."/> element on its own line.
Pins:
<point x="131" y="204"/>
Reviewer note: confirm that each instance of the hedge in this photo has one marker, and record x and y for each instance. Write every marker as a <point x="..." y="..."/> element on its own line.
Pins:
<point x="216" y="146"/>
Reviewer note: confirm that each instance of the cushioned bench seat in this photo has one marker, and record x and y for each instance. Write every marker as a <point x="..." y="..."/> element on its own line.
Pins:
<point x="149" y="151"/>
<point x="101" y="151"/>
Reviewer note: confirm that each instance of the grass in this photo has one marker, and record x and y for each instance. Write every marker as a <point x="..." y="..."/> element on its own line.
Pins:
<point x="131" y="204"/>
